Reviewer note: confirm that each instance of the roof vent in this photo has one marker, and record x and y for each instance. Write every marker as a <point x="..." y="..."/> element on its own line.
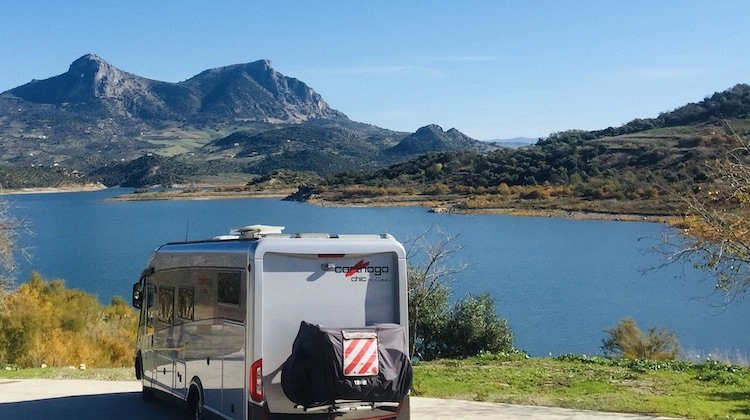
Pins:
<point x="256" y="231"/>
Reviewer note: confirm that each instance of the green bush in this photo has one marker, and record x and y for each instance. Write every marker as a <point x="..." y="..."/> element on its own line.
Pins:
<point x="469" y="327"/>
<point x="627" y="341"/>
<point x="473" y="327"/>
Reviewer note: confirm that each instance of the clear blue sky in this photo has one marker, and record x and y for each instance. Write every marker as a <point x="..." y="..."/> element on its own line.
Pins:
<point x="492" y="69"/>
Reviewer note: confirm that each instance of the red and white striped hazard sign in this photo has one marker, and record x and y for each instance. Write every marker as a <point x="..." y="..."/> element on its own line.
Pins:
<point x="360" y="353"/>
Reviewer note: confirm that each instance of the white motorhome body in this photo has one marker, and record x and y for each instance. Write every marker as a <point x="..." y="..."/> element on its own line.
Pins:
<point x="219" y="318"/>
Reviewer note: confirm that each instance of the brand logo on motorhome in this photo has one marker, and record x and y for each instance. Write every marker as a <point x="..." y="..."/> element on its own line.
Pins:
<point x="362" y="267"/>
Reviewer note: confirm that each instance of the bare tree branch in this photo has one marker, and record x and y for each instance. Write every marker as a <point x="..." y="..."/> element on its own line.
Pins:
<point x="11" y="228"/>
<point x="715" y="227"/>
<point x="430" y="270"/>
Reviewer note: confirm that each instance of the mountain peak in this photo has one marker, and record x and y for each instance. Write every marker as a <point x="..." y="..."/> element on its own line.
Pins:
<point x="256" y="91"/>
<point x="430" y="129"/>
<point x="91" y="76"/>
<point x="432" y="138"/>
<point x="90" y="64"/>
<point x="265" y="62"/>
<point x="88" y="58"/>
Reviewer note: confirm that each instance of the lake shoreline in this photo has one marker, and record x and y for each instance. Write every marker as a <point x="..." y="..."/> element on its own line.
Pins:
<point x="198" y="195"/>
<point x="55" y="190"/>
<point x="573" y="209"/>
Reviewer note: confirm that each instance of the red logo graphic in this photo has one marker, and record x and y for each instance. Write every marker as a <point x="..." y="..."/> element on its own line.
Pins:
<point x="356" y="267"/>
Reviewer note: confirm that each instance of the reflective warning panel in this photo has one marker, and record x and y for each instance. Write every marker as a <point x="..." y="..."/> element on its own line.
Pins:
<point x="360" y="353"/>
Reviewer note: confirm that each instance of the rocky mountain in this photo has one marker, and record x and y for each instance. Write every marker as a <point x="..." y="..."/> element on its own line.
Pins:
<point x="95" y="113"/>
<point x="432" y="138"/>
<point x="250" y="92"/>
<point x="256" y="91"/>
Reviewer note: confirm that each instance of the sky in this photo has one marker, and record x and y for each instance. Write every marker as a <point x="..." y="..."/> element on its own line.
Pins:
<point x="491" y="69"/>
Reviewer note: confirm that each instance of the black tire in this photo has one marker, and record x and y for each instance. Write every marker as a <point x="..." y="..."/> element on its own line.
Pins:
<point x="147" y="394"/>
<point x="138" y="367"/>
<point x="195" y="404"/>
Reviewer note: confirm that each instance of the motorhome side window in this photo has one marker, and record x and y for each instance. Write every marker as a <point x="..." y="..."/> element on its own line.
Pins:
<point x="149" y="306"/>
<point x="186" y="303"/>
<point x="166" y="304"/>
<point x="229" y="288"/>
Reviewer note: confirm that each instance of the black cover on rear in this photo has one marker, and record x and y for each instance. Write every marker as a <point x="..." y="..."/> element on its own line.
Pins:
<point x="313" y="375"/>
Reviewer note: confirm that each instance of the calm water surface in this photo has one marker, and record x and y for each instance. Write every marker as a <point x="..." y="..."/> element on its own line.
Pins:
<point x="560" y="283"/>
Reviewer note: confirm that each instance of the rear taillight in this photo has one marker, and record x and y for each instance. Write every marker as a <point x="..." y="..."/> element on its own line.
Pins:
<point x="256" y="381"/>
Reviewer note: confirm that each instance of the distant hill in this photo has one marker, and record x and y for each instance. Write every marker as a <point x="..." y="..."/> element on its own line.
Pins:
<point x="319" y="148"/>
<point x="639" y="160"/>
<point x="731" y="103"/>
<point x="433" y="138"/>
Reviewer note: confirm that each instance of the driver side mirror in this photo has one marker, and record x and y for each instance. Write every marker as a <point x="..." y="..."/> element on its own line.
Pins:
<point x="137" y="295"/>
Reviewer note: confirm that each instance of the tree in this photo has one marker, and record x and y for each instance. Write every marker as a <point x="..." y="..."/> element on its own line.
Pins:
<point x="429" y="272"/>
<point x="436" y="329"/>
<point x="626" y="340"/>
<point x="473" y="327"/>
<point x="715" y="233"/>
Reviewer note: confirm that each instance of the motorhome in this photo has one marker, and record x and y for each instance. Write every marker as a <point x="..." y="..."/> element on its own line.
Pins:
<point x="259" y="324"/>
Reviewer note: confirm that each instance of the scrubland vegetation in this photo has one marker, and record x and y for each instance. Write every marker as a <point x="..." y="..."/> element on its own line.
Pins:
<point x="43" y="322"/>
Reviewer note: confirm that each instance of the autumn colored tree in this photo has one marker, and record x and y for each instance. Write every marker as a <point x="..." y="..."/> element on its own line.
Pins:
<point x="715" y="229"/>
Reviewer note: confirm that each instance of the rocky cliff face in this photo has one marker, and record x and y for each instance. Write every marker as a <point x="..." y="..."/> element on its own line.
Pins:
<point x="256" y="89"/>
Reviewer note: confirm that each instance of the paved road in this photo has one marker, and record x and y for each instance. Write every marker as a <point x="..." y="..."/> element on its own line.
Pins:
<point x="76" y="399"/>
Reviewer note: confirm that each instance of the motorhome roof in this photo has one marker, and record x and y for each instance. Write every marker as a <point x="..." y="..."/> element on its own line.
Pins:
<point x="268" y="231"/>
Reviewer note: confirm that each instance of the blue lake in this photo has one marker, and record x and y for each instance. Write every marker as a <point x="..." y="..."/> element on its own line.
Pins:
<point x="560" y="283"/>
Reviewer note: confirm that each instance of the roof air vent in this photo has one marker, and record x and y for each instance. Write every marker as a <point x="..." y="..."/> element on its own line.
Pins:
<point x="256" y="231"/>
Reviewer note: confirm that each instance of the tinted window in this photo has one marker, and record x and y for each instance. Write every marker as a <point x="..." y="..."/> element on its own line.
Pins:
<point x="166" y="304"/>
<point x="186" y="303"/>
<point x="229" y="288"/>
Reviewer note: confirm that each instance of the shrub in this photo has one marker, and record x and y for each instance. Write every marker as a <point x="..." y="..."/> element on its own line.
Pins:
<point x="428" y="314"/>
<point x="438" y="189"/>
<point x="626" y="340"/>
<point x="469" y="327"/>
<point x="473" y="328"/>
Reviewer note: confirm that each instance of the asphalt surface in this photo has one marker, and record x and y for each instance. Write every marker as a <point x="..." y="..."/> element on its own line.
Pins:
<point x="89" y="399"/>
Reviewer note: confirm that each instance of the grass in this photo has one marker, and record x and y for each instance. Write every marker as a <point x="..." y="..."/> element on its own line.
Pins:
<point x="678" y="389"/>
<point x="710" y="390"/>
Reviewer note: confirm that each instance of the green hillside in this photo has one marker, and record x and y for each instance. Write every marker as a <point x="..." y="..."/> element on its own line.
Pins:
<point x="632" y="169"/>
